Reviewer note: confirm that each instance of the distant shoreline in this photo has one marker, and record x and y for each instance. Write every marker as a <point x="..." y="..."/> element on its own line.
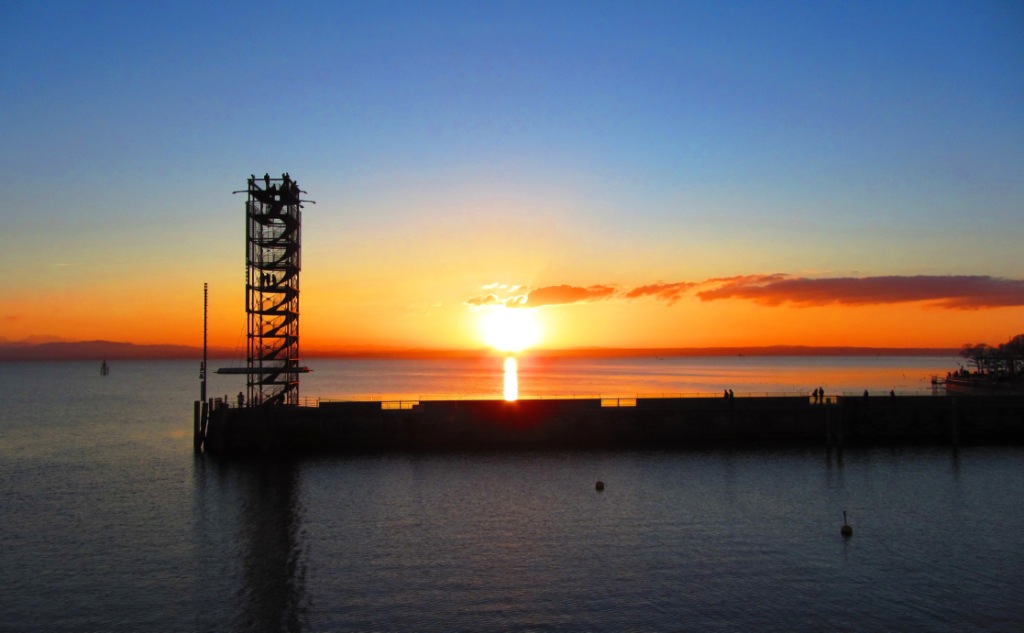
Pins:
<point x="111" y="350"/>
<point x="645" y="352"/>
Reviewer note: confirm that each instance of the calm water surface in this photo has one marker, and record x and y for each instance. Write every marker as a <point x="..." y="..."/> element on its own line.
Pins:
<point x="609" y="377"/>
<point x="108" y="522"/>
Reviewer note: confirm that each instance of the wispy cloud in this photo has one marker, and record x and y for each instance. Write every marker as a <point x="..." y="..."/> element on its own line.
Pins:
<point x="669" y="293"/>
<point x="500" y="286"/>
<point x="559" y="295"/>
<point x="952" y="292"/>
<point x="544" y="296"/>
<point x="484" y="300"/>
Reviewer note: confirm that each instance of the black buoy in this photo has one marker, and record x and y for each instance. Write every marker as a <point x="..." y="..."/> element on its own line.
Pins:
<point x="846" y="530"/>
<point x="599" y="486"/>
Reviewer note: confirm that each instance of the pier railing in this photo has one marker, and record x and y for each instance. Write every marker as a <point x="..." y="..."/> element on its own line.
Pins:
<point x="407" y="402"/>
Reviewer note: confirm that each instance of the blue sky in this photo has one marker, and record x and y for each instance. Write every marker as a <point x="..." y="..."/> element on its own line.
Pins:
<point x="538" y="143"/>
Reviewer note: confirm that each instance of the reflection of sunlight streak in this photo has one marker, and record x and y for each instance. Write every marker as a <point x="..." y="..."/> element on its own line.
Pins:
<point x="511" y="379"/>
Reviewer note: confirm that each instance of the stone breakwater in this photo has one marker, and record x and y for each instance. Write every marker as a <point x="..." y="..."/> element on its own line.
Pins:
<point x="610" y="424"/>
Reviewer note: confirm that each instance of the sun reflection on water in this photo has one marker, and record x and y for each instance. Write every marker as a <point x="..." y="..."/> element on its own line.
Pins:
<point x="511" y="379"/>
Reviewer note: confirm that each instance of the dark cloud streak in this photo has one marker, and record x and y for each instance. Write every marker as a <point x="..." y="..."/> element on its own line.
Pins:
<point x="957" y="292"/>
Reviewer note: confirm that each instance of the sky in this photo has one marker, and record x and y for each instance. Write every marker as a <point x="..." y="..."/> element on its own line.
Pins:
<point x="627" y="174"/>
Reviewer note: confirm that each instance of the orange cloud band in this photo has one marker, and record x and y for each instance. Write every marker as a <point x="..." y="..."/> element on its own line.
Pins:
<point x="960" y="292"/>
<point x="954" y="292"/>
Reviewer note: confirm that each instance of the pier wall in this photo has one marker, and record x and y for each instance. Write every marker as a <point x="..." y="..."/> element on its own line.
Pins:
<point x="645" y="423"/>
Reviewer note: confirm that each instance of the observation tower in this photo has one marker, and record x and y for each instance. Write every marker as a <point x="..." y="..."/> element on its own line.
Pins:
<point x="273" y="235"/>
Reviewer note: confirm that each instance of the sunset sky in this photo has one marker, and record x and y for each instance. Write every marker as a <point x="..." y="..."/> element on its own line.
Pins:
<point x="648" y="174"/>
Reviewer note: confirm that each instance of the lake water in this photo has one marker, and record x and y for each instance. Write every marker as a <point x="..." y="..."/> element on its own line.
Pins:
<point x="109" y="522"/>
<point x="612" y="377"/>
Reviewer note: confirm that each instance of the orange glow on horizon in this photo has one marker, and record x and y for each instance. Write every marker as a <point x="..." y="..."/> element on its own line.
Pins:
<point x="142" y="315"/>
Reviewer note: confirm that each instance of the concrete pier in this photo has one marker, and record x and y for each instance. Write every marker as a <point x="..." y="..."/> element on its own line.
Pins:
<point x="593" y="423"/>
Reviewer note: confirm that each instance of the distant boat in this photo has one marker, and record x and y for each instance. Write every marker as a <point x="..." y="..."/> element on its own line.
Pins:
<point x="104" y="368"/>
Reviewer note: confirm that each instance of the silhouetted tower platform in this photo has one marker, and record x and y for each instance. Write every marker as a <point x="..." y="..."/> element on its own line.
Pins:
<point x="273" y="235"/>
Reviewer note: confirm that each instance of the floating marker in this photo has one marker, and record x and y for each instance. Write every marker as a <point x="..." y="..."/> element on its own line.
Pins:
<point x="599" y="486"/>
<point x="846" y="530"/>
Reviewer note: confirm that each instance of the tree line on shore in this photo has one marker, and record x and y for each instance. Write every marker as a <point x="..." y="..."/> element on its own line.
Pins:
<point x="1006" y="358"/>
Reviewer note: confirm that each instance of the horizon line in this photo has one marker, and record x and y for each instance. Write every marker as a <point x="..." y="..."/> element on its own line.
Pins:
<point x="84" y="350"/>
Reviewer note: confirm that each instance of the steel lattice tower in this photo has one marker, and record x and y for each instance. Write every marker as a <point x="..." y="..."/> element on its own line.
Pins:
<point x="273" y="222"/>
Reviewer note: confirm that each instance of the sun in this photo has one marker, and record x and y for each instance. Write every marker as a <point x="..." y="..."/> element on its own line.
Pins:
<point x="510" y="329"/>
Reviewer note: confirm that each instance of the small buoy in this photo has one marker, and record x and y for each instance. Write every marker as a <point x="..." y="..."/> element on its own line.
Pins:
<point x="599" y="486"/>
<point x="846" y="530"/>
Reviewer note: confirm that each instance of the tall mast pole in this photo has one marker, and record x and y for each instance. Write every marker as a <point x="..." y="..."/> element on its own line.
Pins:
<point x="202" y="368"/>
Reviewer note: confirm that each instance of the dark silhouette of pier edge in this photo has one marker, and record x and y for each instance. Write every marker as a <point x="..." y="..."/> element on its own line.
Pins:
<point x="596" y="424"/>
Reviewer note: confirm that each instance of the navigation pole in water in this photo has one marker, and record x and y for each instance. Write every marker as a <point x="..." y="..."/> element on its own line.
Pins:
<point x="273" y="221"/>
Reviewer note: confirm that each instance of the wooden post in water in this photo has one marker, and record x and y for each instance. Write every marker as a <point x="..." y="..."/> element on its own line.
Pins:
<point x="204" y="421"/>
<point x="954" y="423"/>
<point x="197" y="426"/>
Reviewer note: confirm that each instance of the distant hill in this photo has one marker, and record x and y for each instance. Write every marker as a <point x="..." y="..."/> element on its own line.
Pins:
<point x="644" y="352"/>
<point x="96" y="350"/>
<point x="112" y="350"/>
